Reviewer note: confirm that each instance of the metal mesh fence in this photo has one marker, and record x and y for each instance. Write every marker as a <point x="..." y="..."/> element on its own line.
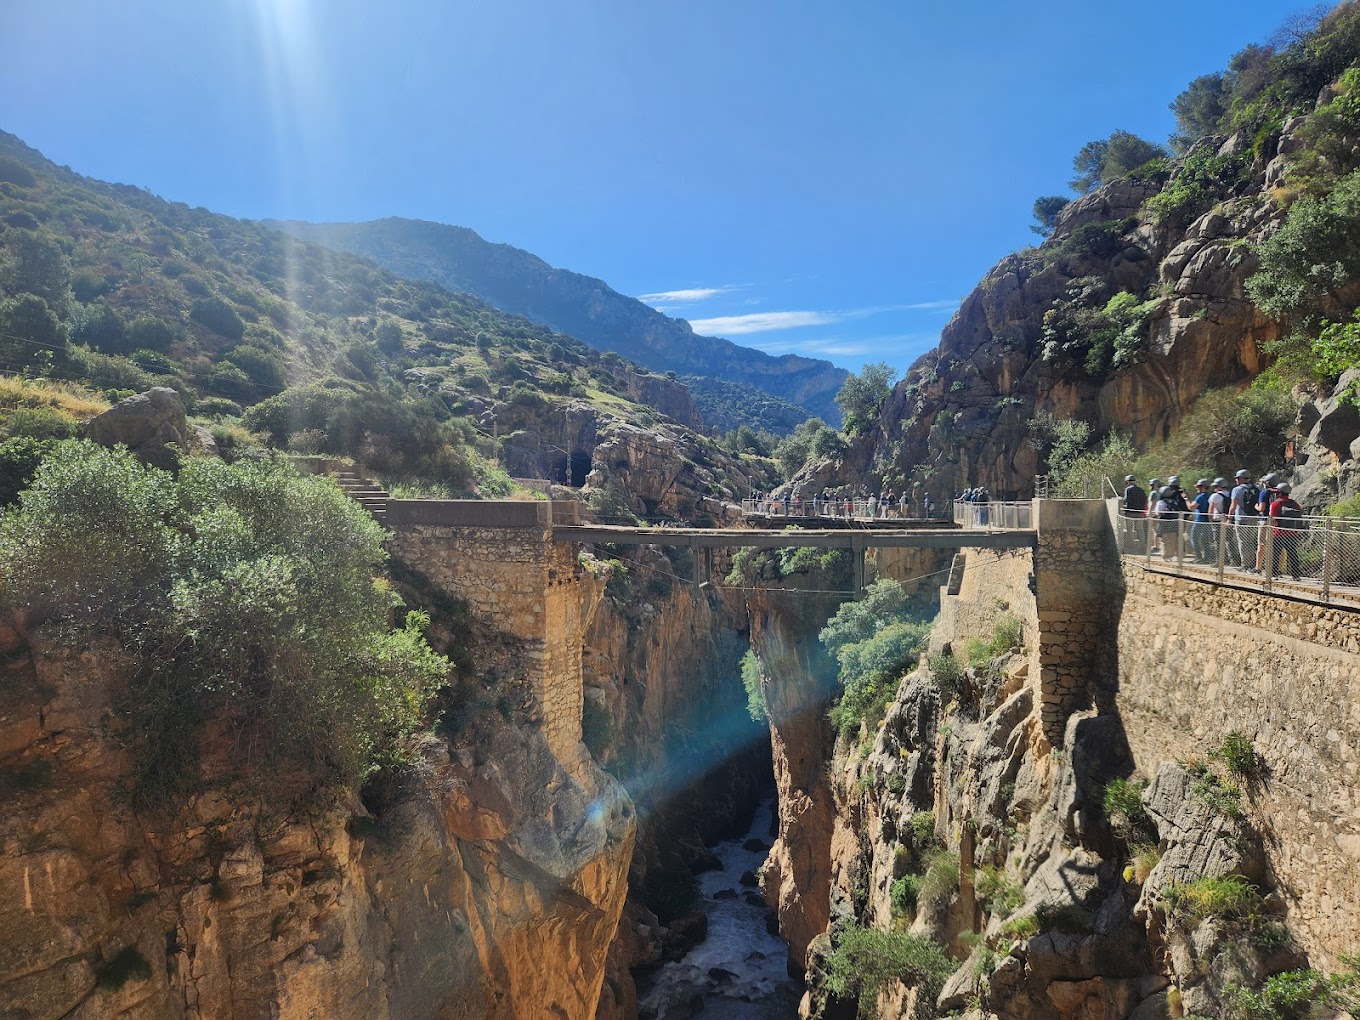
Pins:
<point x="996" y="516"/>
<point x="1315" y="558"/>
<point x="846" y="509"/>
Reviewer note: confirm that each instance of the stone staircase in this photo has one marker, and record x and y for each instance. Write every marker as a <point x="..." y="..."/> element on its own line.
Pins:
<point x="364" y="492"/>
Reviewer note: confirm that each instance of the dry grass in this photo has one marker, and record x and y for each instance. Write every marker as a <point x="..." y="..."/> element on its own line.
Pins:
<point x="72" y="398"/>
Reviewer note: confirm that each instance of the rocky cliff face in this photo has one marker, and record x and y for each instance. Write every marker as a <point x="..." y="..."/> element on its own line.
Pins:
<point x="667" y="714"/>
<point x="659" y="471"/>
<point x="487" y="884"/>
<point x="962" y="818"/>
<point x="961" y="416"/>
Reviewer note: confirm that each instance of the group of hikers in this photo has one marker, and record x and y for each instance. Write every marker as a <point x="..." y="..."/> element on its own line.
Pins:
<point x="845" y="503"/>
<point x="1260" y="521"/>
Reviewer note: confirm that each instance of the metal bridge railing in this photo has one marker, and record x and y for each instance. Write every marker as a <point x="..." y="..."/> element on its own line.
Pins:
<point x="996" y="516"/>
<point x="1314" y="558"/>
<point x="845" y="509"/>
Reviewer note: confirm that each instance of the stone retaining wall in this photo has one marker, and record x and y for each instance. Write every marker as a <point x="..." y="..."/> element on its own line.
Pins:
<point x="1196" y="662"/>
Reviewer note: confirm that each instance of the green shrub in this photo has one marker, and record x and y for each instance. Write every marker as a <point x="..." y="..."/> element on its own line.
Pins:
<point x="1231" y="897"/>
<point x="1240" y="757"/>
<point x="751" y="680"/>
<point x="864" y="959"/>
<point x="1001" y="893"/>
<point x="1123" y="803"/>
<point x="1297" y="995"/>
<point x="923" y="829"/>
<point x="870" y="670"/>
<point x="1201" y="180"/>
<point x="941" y="880"/>
<point x="874" y="641"/>
<point x="1222" y="797"/>
<point x="618" y="587"/>
<point x="19" y="460"/>
<point x="947" y="676"/>
<point x="1022" y="927"/>
<point x="217" y="407"/>
<point x="39" y="423"/>
<point x="246" y="592"/>
<point x="902" y="895"/>
<point x="218" y="316"/>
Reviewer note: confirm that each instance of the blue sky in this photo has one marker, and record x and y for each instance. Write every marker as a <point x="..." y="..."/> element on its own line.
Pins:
<point x="827" y="179"/>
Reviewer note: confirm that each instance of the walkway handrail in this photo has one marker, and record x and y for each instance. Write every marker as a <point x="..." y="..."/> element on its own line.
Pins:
<point x="845" y="509"/>
<point x="1309" y="557"/>
<point x="996" y="515"/>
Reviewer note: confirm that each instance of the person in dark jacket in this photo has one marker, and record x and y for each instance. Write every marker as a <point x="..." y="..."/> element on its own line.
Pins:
<point x="1133" y="515"/>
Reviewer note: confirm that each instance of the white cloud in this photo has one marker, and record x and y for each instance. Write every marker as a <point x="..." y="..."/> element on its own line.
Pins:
<point x="934" y="306"/>
<point x="686" y="295"/>
<point x="887" y="346"/>
<point x="761" y="322"/>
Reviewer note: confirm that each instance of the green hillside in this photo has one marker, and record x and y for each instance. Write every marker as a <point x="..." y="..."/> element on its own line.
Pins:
<point x="519" y="281"/>
<point x="317" y="351"/>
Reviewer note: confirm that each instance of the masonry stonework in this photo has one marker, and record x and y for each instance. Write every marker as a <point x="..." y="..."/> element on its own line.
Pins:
<point x="516" y="579"/>
<point x="1075" y="577"/>
<point x="1196" y="662"/>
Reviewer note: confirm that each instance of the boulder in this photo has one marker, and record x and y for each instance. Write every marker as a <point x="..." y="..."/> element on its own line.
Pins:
<point x="146" y="423"/>
<point x="1338" y="423"/>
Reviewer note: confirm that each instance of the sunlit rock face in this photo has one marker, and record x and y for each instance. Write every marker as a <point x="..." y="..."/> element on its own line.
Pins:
<point x="796" y="878"/>
<point x="668" y="715"/>
<point x="489" y="885"/>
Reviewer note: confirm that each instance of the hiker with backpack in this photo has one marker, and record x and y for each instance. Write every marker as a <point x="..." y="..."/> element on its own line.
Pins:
<point x="1154" y="494"/>
<point x="1242" y="509"/>
<point x="1133" y="509"/>
<point x="1201" y="531"/>
<point x="1286" y="517"/>
<point x="1219" y="501"/>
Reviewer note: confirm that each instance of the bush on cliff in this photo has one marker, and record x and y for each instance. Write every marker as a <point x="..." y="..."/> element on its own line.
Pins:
<point x="247" y="594"/>
<point x="865" y="959"/>
<point x="875" y="640"/>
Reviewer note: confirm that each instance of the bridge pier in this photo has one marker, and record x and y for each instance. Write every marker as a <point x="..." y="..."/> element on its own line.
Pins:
<point x="501" y="560"/>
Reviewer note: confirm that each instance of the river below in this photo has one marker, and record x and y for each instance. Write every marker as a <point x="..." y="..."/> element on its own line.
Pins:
<point x="740" y="970"/>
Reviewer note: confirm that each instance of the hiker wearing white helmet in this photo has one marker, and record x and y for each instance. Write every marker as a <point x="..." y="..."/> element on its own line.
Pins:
<point x="1242" y="510"/>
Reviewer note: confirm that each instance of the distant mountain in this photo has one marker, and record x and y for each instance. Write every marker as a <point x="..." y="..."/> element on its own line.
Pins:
<point x="517" y="281"/>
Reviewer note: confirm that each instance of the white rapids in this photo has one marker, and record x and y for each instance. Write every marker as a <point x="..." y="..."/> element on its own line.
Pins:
<point x="740" y="970"/>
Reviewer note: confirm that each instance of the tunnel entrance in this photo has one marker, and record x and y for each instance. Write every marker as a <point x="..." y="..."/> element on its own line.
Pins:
<point x="580" y="467"/>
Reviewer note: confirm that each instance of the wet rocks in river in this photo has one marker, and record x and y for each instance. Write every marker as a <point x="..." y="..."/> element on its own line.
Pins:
<point x="748" y="879"/>
<point x="740" y="970"/>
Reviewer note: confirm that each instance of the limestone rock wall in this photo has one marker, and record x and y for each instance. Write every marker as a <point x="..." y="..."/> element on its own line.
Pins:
<point x="662" y="666"/>
<point x="797" y="876"/>
<point x="488" y="886"/>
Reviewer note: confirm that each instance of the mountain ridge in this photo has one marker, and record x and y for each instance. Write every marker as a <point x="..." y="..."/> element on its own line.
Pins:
<point x="518" y="281"/>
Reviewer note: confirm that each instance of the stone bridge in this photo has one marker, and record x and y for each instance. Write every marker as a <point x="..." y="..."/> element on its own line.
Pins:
<point x="516" y="564"/>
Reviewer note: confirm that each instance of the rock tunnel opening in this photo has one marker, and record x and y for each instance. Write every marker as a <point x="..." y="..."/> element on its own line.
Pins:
<point x="579" y="466"/>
